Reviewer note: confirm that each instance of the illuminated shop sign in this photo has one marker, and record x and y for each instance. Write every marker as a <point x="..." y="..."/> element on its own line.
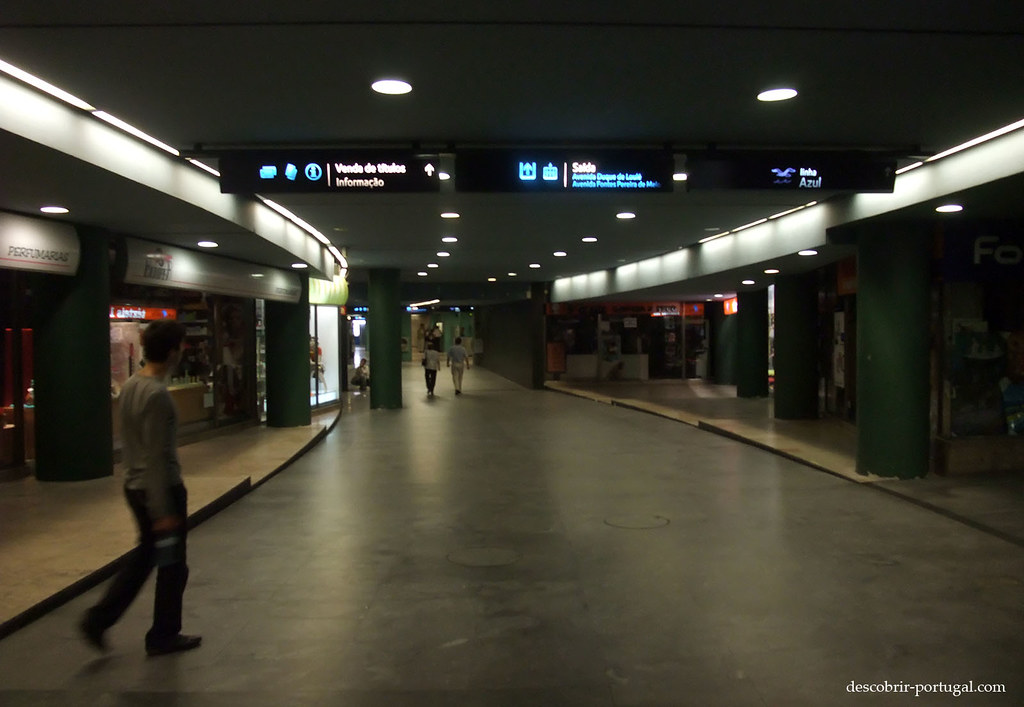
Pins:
<point x="127" y="311"/>
<point x="525" y="170"/>
<point x="981" y="251"/>
<point x="795" y="171"/>
<point x="337" y="171"/>
<point x="37" y="245"/>
<point x="731" y="305"/>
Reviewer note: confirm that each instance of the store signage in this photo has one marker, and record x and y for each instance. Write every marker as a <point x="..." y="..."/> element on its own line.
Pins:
<point x="127" y="311"/>
<point x="37" y="245"/>
<point x="731" y="305"/>
<point x="336" y="171"/>
<point x="984" y="251"/>
<point x="791" y="171"/>
<point x="525" y="170"/>
<point x="693" y="309"/>
<point x="162" y="265"/>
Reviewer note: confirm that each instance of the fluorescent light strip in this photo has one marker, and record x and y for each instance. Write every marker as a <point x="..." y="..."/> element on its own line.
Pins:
<point x="45" y="87"/>
<point x="978" y="140"/>
<point x="749" y="225"/>
<point x="424" y="304"/>
<point x="204" y="167"/>
<point x="135" y="132"/>
<point x="342" y="260"/>
<point x="296" y="220"/>
<point x="711" y="238"/>
<point x="909" y="167"/>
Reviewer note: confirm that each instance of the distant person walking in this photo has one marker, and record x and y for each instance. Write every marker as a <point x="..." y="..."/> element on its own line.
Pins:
<point x="156" y="496"/>
<point x="458" y="361"/>
<point x="431" y="364"/>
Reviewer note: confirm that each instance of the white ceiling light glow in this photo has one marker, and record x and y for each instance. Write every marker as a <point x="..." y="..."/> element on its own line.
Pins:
<point x="433" y="265"/>
<point x="422" y="273"/>
<point x="512" y="274"/>
<point x="749" y="282"/>
<point x="449" y="239"/>
<point x="679" y="177"/>
<point x="559" y="254"/>
<point x="535" y="266"/>
<point x="492" y="279"/>
<point x="949" y="208"/>
<point x="443" y="254"/>
<point x="771" y="271"/>
<point x="45" y="87"/>
<point x="450" y="214"/>
<point x="54" y="210"/>
<point x="444" y="176"/>
<point x="299" y="266"/>
<point x="207" y="244"/>
<point x="807" y="252"/>
<point x="777" y="94"/>
<point x="625" y="215"/>
<point x="392" y="87"/>
<point x="134" y="132"/>
<point x="589" y="239"/>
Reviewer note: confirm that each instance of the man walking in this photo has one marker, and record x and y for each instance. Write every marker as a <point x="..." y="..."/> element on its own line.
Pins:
<point x="458" y="361"/>
<point x="156" y="496"/>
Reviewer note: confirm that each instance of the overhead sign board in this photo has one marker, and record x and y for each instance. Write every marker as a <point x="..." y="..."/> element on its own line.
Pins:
<point x="569" y="170"/>
<point x="318" y="171"/>
<point x="791" y="171"/>
<point x="161" y="265"/>
<point x="38" y="245"/>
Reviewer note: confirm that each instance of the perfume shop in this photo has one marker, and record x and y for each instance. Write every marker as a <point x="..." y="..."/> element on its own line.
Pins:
<point x="32" y="251"/>
<point x="221" y="379"/>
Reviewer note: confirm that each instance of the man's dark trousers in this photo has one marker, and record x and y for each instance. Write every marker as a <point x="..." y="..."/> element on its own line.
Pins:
<point x="170" y="578"/>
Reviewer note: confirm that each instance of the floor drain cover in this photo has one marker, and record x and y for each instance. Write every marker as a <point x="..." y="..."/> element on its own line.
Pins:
<point x="637" y="522"/>
<point x="484" y="557"/>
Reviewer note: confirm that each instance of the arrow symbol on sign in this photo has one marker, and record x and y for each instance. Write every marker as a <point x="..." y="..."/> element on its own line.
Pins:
<point x="429" y="169"/>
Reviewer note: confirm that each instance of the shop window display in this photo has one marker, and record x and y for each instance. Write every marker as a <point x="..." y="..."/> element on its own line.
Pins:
<point x="324" y="379"/>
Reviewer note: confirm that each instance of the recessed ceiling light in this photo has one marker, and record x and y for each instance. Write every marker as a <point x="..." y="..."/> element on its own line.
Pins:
<point x="449" y="239"/>
<point x="433" y="265"/>
<point x="949" y="208"/>
<point x="709" y="229"/>
<point x="535" y="266"/>
<point x="450" y="214"/>
<point x="207" y="244"/>
<point x="54" y="210"/>
<point x="559" y="254"/>
<point x="777" y="94"/>
<point x="809" y="251"/>
<point x="422" y="273"/>
<point x="299" y="266"/>
<point x="771" y="271"/>
<point x="443" y="254"/>
<point x="392" y="87"/>
<point x="492" y="279"/>
<point x="512" y="274"/>
<point x="444" y="176"/>
<point x="679" y="177"/>
<point x="257" y="275"/>
<point x="625" y="215"/>
<point x="749" y="282"/>
<point x="719" y="295"/>
<point x="589" y="239"/>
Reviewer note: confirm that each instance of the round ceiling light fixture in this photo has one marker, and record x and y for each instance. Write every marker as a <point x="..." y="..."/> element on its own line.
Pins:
<point x="391" y="87"/>
<point x="449" y="239"/>
<point x="443" y="254"/>
<point x="771" y="271"/>
<point x="749" y="282"/>
<point x="559" y="254"/>
<point x="450" y="214"/>
<point x="589" y="239"/>
<point x="433" y="265"/>
<point x="492" y="279"/>
<point x="207" y="244"/>
<point x="422" y="273"/>
<point x="625" y="215"/>
<point x="299" y="266"/>
<point x="949" y="208"/>
<point x="777" y="94"/>
<point x="55" y="210"/>
<point x="535" y="266"/>
<point x="808" y="252"/>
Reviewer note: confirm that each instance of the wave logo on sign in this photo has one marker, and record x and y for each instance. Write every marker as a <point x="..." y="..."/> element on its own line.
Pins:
<point x="783" y="176"/>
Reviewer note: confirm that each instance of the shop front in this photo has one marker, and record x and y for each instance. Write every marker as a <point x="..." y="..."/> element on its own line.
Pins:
<point x="979" y="388"/>
<point x="221" y="378"/>
<point x="327" y="335"/>
<point x="31" y="252"/>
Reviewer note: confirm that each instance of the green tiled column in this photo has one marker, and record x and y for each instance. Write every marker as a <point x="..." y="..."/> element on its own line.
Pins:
<point x="893" y="286"/>
<point x="288" y="361"/>
<point x="796" y="347"/>
<point x="74" y="434"/>
<point x="385" y="334"/>
<point x="752" y="344"/>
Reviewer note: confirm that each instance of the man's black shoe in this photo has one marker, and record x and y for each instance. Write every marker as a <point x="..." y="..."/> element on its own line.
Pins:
<point x="92" y="634"/>
<point x="177" y="644"/>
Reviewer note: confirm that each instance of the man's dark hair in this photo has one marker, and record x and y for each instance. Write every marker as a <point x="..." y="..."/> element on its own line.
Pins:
<point x="458" y="340"/>
<point x="160" y="338"/>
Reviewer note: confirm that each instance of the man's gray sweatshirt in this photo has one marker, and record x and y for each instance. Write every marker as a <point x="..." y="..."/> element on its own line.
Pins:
<point x="149" y="431"/>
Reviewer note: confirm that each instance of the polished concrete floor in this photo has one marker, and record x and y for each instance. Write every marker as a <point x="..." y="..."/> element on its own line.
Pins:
<point x="510" y="547"/>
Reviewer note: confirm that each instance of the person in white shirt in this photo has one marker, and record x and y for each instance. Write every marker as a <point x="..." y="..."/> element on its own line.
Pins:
<point x="458" y="361"/>
<point x="431" y="362"/>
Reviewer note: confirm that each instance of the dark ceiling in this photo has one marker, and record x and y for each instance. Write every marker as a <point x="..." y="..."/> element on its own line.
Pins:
<point x="908" y="78"/>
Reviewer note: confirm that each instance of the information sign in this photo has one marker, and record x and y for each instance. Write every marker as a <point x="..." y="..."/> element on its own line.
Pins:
<point x="567" y="170"/>
<point x="791" y="171"/>
<point x="317" y="171"/>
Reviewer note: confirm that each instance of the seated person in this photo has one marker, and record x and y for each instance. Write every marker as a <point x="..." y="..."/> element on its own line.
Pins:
<point x="361" y="376"/>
